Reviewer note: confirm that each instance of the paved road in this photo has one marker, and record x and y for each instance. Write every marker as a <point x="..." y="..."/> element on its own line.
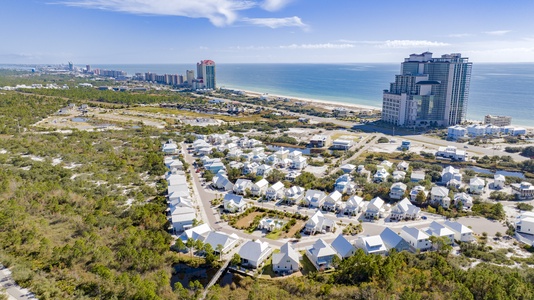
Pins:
<point x="13" y="290"/>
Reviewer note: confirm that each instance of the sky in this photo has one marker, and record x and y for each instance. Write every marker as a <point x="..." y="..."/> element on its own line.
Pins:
<point x="262" y="31"/>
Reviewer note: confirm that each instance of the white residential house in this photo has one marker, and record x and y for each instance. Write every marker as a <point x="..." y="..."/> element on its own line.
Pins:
<point x="271" y="224"/>
<point x="215" y="238"/>
<point x="319" y="224"/>
<point x="398" y="175"/>
<point x="403" y="166"/>
<point x="456" y="132"/>
<point x="234" y="203"/>
<point x="499" y="181"/>
<point x="381" y="175"/>
<point x="254" y="253"/>
<point x="371" y="244"/>
<point x="343" y="247"/>
<point x="476" y="185"/>
<point x="321" y="255"/>
<point x="386" y="164"/>
<point x="440" y="196"/>
<point x="196" y="233"/>
<point x="294" y="194"/>
<point x="341" y="144"/>
<point x="417" y="176"/>
<point x="363" y="172"/>
<point x="241" y="186"/>
<point x="182" y="218"/>
<point x="173" y="164"/>
<point x="275" y="191"/>
<point x="417" y="238"/>
<point x="264" y="170"/>
<point x="523" y="190"/>
<point x="467" y="200"/>
<point x="221" y="182"/>
<point x="345" y="185"/>
<point x="416" y="190"/>
<point x="287" y="260"/>
<point x="397" y="190"/>
<point x="299" y="162"/>
<point x="282" y="153"/>
<point x="250" y="168"/>
<point x="525" y="225"/>
<point x="461" y="233"/>
<point x="314" y="198"/>
<point x="259" y="188"/>
<point x="292" y="175"/>
<point x="332" y="201"/>
<point x="452" y="152"/>
<point x="354" y="205"/>
<point x="403" y="210"/>
<point x="393" y="240"/>
<point x="347" y="168"/>
<point x="169" y="148"/>
<point x="376" y="209"/>
<point x="450" y="173"/>
<point x="442" y="231"/>
<point x="234" y="153"/>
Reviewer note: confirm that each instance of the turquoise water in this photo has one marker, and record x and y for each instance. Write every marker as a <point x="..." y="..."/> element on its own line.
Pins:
<point x="498" y="89"/>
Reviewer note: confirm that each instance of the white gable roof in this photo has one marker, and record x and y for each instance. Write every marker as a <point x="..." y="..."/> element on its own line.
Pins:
<point x="342" y="246"/>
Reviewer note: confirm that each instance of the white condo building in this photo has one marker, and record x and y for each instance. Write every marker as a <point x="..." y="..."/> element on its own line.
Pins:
<point x="429" y="91"/>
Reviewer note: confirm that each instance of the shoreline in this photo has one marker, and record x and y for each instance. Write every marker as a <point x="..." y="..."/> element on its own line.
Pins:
<point x="325" y="104"/>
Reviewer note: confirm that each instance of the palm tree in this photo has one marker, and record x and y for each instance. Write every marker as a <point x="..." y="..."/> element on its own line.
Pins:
<point x="219" y="249"/>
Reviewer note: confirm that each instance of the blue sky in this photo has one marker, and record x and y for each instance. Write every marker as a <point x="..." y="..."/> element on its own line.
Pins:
<point x="262" y="31"/>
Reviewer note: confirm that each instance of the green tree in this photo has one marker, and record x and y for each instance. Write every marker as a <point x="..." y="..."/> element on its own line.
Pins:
<point x="236" y="260"/>
<point x="179" y="244"/>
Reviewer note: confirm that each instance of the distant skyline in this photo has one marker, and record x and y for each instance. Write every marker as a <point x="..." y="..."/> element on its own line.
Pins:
<point x="262" y="31"/>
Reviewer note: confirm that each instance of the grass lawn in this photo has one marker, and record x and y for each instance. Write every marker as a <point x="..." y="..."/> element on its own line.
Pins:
<point x="307" y="265"/>
<point x="274" y="235"/>
<point x="267" y="270"/>
<point x="246" y="221"/>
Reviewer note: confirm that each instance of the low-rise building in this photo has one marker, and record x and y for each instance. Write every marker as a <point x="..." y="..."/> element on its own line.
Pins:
<point x="376" y="209"/>
<point x="347" y="168"/>
<point x="319" y="224"/>
<point x="404" y="210"/>
<point x="440" y="196"/>
<point x="314" y="198"/>
<point x="332" y="201"/>
<point x="452" y="153"/>
<point x="461" y="233"/>
<point x="340" y="144"/>
<point x="381" y="175"/>
<point x="417" y="176"/>
<point x="319" y="141"/>
<point x="371" y="244"/>
<point x="393" y="240"/>
<point x="221" y="182"/>
<point x="259" y="188"/>
<point x="254" y="253"/>
<point x="523" y="190"/>
<point x="450" y="173"/>
<point x="397" y="190"/>
<point x="345" y="185"/>
<point x="498" y="120"/>
<point x="417" y="238"/>
<point x="440" y="231"/>
<point x="321" y="255"/>
<point x="234" y="203"/>
<point x="415" y="191"/>
<point x="287" y="260"/>
<point x="465" y="199"/>
<point x="343" y="247"/>
<point x="169" y="148"/>
<point x="499" y="181"/>
<point x="525" y="225"/>
<point x="275" y="191"/>
<point x="456" y="132"/>
<point x="294" y="194"/>
<point x="354" y="205"/>
<point x="398" y="175"/>
<point x="241" y="186"/>
<point x="216" y="238"/>
<point x="476" y="185"/>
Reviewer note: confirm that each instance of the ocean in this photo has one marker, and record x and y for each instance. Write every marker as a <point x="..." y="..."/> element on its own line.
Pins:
<point x="496" y="88"/>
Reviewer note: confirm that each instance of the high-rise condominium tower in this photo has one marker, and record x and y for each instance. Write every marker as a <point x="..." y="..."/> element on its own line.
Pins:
<point x="429" y="91"/>
<point x="206" y="73"/>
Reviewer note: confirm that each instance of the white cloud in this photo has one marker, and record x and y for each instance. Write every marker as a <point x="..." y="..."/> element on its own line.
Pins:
<point x="410" y="44"/>
<point x="460" y="35"/>
<point x="318" y="46"/>
<point x="497" y="32"/>
<point x="274" y="5"/>
<point x="276" y="22"/>
<point x="219" y="12"/>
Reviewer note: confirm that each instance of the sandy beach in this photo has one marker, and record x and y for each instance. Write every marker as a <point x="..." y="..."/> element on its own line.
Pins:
<point x="324" y="104"/>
